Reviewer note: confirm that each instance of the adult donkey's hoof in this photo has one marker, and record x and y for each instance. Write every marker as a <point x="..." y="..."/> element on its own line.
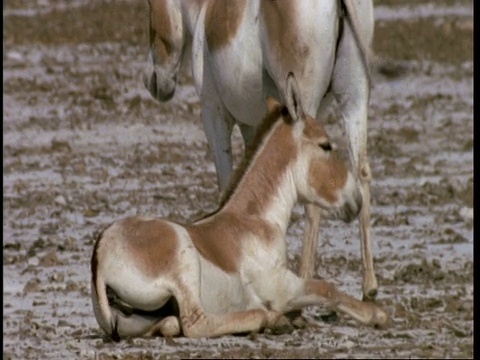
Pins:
<point x="370" y="289"/>
<point x="370" y="295"/>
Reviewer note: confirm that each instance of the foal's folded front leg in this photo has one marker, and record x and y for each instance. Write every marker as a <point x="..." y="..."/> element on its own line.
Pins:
<point x="365" y="313"/>
<point x="320" y="292"/>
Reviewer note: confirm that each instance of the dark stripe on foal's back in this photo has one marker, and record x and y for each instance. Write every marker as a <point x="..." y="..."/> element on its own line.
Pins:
<point x="281" y="112"/>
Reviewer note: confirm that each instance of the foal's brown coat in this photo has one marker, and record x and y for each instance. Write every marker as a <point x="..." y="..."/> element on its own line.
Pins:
<point x="228" y="271"/>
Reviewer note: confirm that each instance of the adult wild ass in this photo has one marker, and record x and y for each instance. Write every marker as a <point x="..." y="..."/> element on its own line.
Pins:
<point x="241" y="53"/>
<point x="227" y="273"/>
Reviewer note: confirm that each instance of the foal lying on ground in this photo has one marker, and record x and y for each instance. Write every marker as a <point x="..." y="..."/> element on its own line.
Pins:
<point x="227" y="273"/>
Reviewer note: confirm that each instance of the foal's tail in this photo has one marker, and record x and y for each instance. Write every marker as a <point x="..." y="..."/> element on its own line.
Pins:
<point x="101" y="306"/>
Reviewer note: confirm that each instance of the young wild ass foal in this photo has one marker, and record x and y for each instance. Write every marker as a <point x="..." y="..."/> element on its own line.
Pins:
<point x="227" y="273"/>
<point x="242" y="51"/>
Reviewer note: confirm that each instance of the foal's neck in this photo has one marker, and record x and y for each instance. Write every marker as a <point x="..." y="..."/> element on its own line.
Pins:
<point x="267" y="189"/>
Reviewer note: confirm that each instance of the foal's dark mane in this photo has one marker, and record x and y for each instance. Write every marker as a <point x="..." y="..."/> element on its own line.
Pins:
<point x="279" y="113"/>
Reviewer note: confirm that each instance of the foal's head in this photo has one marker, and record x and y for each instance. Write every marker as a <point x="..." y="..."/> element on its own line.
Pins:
<point x="321" y="176"/>
<point x="167" y="39"/>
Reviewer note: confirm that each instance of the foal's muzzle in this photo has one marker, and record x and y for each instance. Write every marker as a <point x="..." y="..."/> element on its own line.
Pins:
<point x="352" y="200"/>
<point x="351" y="209"/>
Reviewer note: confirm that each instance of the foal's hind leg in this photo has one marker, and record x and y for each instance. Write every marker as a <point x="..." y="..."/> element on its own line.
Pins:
<point x="197" y="323"/>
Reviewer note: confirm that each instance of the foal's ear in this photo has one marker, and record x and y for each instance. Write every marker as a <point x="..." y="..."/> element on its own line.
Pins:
<point x="272" y="104"/>
<point x="292" y="99"/>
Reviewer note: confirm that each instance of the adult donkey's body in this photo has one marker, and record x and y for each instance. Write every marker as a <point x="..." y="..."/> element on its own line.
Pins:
<point x="241" y="53"/>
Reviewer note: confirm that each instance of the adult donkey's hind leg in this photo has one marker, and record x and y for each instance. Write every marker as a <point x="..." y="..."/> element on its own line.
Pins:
<point x="248" y="134"/>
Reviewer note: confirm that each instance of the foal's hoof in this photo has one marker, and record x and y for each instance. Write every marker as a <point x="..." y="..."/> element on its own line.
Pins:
<point x="282" y="326"/>
<point x="300" y="322"/>
<point x="380" y="319"/>
<point x="296" y="319"/>
<point x="370" y="289"/>
<point x="271" y="318"/>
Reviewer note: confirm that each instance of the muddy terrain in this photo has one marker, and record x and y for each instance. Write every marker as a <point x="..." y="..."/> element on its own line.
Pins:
<point x="85" y="144"/>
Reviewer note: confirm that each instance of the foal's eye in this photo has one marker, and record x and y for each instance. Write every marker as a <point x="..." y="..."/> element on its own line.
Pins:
<point x="326" y="146"/>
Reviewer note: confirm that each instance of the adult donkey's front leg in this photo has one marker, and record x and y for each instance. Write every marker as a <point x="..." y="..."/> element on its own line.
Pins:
<point x="309" y="249"/>
<point x="218" y="125"/>
<point x="351" y="88"/>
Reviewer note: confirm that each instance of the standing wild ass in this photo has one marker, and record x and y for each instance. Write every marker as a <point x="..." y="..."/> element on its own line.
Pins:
<point x="242" y="51"/>
<point x="227" y="273"/>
